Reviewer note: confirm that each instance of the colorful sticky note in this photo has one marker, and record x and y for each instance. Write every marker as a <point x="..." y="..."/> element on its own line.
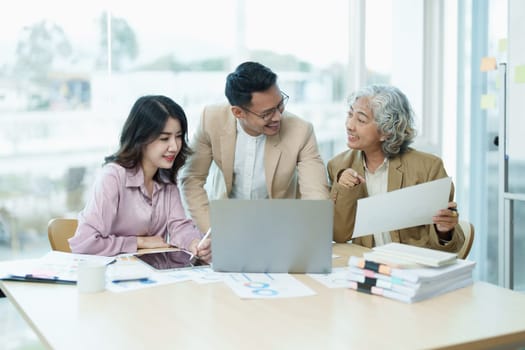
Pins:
<point x="488" y="101"/>
<point x="487" y="64"/>
<point x="519" y="74"/>
<point x="502" y="45"/>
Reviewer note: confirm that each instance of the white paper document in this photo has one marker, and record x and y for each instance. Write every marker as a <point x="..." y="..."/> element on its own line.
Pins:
<point x="55" y="266"/>
<point x="155" y="279"/>
<point x="266" y="286"/>
<point x="408" y="253"/>
<point x="338" y="278"/>
<point x="205" y="275"/>
<point x="407" y="207"/>
<point x="132" y="274"/>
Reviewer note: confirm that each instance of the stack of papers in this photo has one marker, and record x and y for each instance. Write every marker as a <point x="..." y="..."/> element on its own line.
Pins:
<point x="404" y="255"/>
<point x="54" y="267"/>
<point x="408" y="284"/>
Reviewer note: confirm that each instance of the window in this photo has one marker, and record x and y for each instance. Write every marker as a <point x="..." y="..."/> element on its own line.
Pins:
<point x="68" y="79"/>
<point x="48" y="122"/>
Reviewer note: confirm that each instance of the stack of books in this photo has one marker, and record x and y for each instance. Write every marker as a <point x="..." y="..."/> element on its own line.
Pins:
<point x="408" y="273"/>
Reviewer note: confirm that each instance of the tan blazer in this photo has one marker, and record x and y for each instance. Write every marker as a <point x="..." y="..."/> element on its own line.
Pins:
<point x="410" y="168"/>
<point x="293" y="166"/>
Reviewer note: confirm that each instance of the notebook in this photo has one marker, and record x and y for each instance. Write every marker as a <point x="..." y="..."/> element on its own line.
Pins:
<point x="272" y="235"/>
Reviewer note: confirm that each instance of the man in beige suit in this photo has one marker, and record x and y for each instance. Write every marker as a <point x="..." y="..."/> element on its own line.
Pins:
<point x="379" y="130"/>
<point x="259" y="150"/>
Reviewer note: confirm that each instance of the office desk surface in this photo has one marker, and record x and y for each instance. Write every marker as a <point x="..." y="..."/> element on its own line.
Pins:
<point x="191" y="316"/>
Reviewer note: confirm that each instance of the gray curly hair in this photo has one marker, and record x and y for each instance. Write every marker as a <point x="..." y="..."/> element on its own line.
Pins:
<point x="393" y="114"/>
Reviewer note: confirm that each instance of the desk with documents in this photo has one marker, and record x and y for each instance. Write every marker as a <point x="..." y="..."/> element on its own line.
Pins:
<point x="192" y="316"/>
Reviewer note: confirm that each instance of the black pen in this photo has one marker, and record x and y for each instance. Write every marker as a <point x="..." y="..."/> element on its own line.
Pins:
<point x="141" y="279"/>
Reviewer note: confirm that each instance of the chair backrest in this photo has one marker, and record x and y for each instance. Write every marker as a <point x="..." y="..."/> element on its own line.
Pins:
<point x="59" y="230"/>
<point x="468" y="230"/>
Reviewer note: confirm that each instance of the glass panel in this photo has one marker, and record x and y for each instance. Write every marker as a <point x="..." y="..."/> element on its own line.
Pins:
<point x="519" y="245"/>
<point x="491" y="109"/>
<point x="488" y="31"/>
<point x="379" y="42"/>
<point x="516" y="103"/>
<point x="310" y="57"/>
<point x="516" y="142"/>
<point x="394" y="48"/>
<point x="48" y="126"/>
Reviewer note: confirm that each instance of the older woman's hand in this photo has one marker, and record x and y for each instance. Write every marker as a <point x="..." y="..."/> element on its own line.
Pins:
<point x="349" y="178"/>
<point x="446" y="219"/>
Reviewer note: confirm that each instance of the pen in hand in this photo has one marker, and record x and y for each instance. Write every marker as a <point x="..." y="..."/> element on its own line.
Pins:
<point x="201" y="241"/>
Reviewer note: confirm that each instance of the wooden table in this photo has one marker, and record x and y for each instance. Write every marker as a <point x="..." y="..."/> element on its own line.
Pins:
<point x="191" y="316"/>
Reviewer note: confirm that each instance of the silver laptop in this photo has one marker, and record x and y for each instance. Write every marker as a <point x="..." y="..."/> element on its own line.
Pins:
<point x="272" y="235"/>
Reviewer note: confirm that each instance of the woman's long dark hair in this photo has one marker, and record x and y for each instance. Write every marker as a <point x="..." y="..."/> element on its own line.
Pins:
<point x="145" y="123"/>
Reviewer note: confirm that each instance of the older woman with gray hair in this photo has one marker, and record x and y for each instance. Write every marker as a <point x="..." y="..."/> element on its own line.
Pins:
<point x="379" y="131"/>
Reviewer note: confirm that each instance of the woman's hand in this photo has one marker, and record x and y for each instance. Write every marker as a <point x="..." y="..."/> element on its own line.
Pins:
<point x="204" y="251"/>
<point x="349" y="178"/>
<point x="446" y="219"/>
<point x="148" y="242"/>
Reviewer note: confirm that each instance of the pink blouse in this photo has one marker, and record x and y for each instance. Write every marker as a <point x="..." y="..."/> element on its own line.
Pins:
<point x="120" y="209"/>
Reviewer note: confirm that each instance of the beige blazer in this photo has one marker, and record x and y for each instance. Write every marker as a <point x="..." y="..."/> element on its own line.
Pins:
<point x="293" y="166"/>
<point x="410" y="168"/>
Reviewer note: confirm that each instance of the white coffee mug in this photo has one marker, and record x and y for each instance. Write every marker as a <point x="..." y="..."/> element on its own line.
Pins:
<point x="91" y="277"/>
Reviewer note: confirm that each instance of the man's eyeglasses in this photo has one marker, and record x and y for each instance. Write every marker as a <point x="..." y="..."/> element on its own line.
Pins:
<point x="268" y="114"/>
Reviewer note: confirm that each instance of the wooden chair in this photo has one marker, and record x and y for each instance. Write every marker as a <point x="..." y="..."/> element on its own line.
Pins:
<point x="59" y="230"/>
<point x="468" y="230"/>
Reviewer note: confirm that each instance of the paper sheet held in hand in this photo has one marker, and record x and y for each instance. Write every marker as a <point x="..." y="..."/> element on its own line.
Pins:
<point x="407" y="207"/>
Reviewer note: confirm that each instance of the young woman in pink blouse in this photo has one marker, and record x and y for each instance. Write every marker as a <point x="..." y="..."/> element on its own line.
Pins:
<point x="136" y="202"/>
